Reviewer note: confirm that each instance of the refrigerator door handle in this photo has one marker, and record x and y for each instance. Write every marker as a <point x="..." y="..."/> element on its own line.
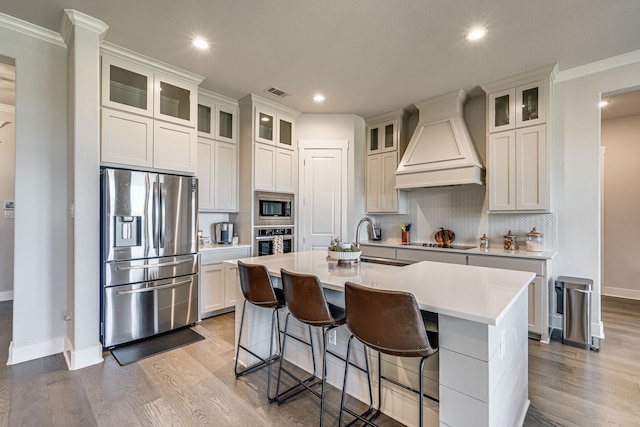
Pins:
<point x="161" y="208"/>
<point x="164" y="264"/>
<point x="154" y="288"/>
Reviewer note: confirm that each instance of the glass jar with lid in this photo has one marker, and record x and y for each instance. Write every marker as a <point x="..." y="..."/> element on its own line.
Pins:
<point x="534" y="241"/>
<point x="510" y="241"/>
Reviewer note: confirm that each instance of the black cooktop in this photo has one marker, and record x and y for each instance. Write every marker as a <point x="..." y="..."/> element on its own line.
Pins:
<point x="435" y="245"/>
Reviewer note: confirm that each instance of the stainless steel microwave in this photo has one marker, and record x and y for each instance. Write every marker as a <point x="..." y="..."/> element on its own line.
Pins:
<point x="274" y="209"/>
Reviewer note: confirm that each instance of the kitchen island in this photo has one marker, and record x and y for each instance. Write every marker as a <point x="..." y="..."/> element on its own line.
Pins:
<point x="480" y="375"/>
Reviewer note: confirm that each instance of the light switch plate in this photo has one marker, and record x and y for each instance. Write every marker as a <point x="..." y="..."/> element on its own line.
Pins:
<point x="10" y="214"/>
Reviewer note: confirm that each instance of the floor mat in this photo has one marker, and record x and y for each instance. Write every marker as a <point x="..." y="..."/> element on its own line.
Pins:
<point x="155" y="345"/>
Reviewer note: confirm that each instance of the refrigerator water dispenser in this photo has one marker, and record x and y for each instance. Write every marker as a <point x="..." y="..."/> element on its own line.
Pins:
<point x="127" y="230"/>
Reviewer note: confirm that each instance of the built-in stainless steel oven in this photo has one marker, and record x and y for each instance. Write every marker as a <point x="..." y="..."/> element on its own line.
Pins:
<point x="265" y="237"/>
<point x="274" y="209"/>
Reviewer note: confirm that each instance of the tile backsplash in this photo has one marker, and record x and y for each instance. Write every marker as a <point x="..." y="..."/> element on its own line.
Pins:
<point x="463" y="209"/>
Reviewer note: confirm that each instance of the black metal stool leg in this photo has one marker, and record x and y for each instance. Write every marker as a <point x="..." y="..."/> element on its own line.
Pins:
<point x="343" y="408"/>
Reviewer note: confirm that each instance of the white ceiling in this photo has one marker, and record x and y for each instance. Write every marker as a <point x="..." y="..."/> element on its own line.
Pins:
<point x="365" y="56"/>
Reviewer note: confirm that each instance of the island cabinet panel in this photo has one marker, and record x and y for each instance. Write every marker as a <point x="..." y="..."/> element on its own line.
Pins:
<point x="422" y="255"/>
<point x="479" y="362"/>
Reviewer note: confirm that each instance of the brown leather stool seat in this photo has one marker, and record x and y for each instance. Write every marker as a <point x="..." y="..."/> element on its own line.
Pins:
<point x="258" y="290"/>
<point x="307" y="303"/>
<point x="389" y="322"/>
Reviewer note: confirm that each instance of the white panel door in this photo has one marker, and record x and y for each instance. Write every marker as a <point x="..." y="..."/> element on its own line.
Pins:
<point x="127" y="139"/>
<point x="322" y="193"/>
<point x="225" y="183"/>
<point x="285" y="171"/>
<point x="175" y="147"/>
<point x="389" y="193"/>
<point x="374" y="183"/>
<point x="265" y="173"/>
<point x="205" y="174"/>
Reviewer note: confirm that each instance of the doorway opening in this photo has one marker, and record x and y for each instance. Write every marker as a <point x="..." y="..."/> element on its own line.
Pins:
<point x="7" y="174"/>
<point x="620" y="201"/>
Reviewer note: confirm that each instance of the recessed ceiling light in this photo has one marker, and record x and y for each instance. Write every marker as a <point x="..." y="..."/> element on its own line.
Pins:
<point x="318" y="98"/>
<point x="475" y="34"/>
<point x="603" y="103"/>
<point x="200" y="44"/>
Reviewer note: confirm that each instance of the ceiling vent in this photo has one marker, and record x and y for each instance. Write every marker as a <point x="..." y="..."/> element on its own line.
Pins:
<point x="277" y="92"/>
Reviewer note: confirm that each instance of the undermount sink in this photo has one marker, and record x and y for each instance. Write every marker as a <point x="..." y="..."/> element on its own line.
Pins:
<point x="385" y="261"/>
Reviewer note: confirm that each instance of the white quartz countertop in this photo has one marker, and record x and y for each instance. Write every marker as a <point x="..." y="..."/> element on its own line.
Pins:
<point x="478" y="294"/>
<point x="493" y="250"/>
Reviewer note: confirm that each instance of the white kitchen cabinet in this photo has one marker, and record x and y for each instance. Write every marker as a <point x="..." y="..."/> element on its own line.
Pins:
<point x="217" y="117"/>
<point x="382" y="196"/>
<point x="174" y="147"/>
<point x="217" y="290"/>
<point x="126" y="139"/>
<point x="386" y="141"/>
<point x="538" y="314"/>
<point x="383" y="137"/>
<point x="142" y="90"/>
<point x="274" y="128"/>
<point x="148" y="114"/>
<point x="518" y="142"/>
<point x="217" y="174"/>
<point x="275" y="169"/>
<point x="518" y="172"/>
<point x="212" y="288"/>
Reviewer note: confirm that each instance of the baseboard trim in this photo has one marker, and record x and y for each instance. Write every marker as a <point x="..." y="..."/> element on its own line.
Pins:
<point x="621" y="292"/>
<point x="24" y="353"/>
<point x="6" y="296"/>
<point x="82" y="358"/>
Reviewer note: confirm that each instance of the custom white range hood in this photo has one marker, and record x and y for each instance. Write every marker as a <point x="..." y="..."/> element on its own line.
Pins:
<point x="441" y="151"/>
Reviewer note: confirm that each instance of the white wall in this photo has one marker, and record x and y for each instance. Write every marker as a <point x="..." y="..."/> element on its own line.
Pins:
<point x="621" y="252"/>
<point x="7" y="161"/>
<point x="341" y="127"/>
<point x="576" y="148"/>
<point x="40" y="267"/>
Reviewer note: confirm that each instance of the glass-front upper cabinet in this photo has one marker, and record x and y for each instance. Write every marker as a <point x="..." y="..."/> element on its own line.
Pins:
<point x="217" y="117"/>
<point x="226" y="122"/>
<point x="126" y="86"/>
<point x="382" y="138"/>
<point x="502" y="111"/>
<point x="530" y="104"/>
<point x="274" y="128"/>
<point x="286" y="132"/>
<point x="175" y="100"/>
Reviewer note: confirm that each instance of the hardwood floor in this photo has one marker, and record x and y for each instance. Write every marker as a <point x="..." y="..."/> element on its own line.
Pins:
<point x="195" y="385"/>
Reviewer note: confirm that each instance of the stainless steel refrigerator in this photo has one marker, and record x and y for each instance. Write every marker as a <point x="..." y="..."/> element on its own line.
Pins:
<point x="149" y="254"/>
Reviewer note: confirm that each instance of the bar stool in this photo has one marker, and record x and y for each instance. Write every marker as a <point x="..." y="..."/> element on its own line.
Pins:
<point x="258" y="290"/>
<point x="307" y="303"/>
<point x="389" y="322"/>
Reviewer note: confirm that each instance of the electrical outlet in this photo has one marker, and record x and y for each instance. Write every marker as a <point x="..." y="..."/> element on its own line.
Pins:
<point x="332" y="337"/>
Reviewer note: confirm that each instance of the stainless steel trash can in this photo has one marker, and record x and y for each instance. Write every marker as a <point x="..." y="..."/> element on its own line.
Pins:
<point x="576" y="295"/>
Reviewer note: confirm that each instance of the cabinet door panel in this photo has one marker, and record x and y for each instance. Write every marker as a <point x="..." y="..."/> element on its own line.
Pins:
<point x="175" y="100"/>
<point x="285" y="171"/>
<point x="530" y="104"/>
<point x="175" y="147"/>
<point x="388" y="187"/>
<point x="265" y="160"/>
<point x="205" y="174"/>
<point x="230" y="284"/>
<point x="265" y="130"/>
<point x="211" y="288"/>
<point x="374" y="183"/>
<point x="126" y="139"/>
<point x="226" y="124"/>
<point x="502" y="110"/>
<point x="501" y="171"/>
<point x="225" y="183"/>
<point x="286" y="132"/>
<point x="531" y="152"/>
<point x="126" y="86"/>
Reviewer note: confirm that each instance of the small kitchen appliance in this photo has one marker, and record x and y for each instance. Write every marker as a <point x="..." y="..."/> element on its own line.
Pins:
<point x="224" y="233"/>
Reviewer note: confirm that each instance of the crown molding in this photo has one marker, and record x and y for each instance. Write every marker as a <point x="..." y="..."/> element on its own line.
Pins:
<point x="147" y="62"/>
<point x="599" y="66"/>
<point x="72" y="18"/>
<point x="31" y="30"/>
